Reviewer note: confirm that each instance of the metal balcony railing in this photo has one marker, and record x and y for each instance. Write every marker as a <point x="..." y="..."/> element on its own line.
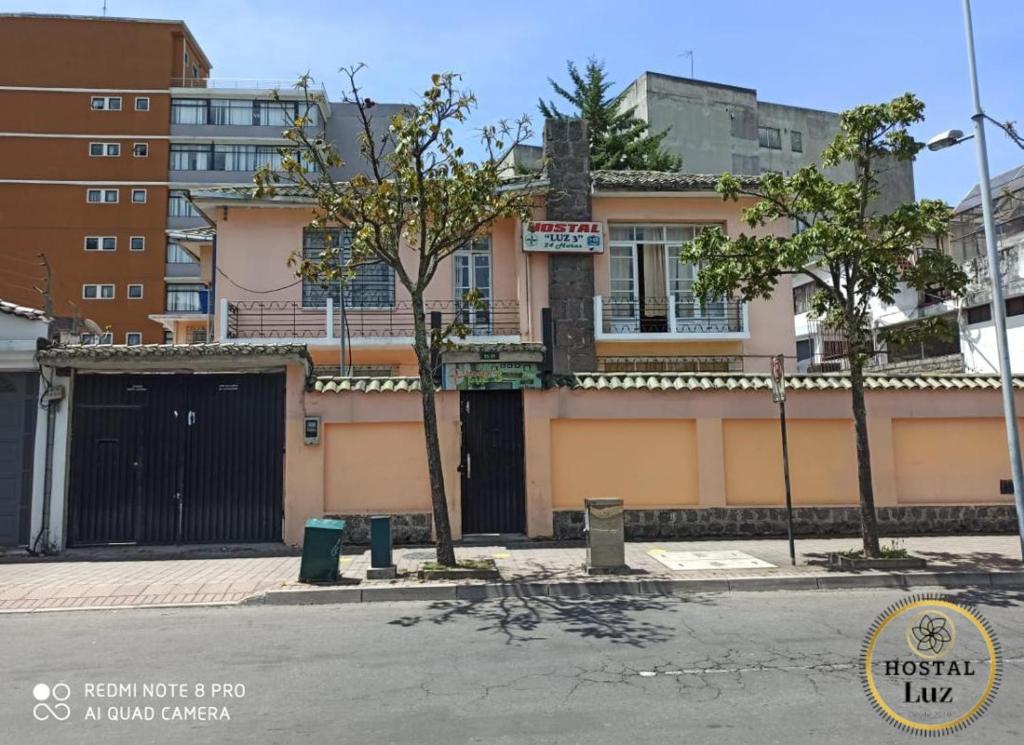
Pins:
<point x="256" y="84"/>
<point x="670" y="317"/>
<point x="274" y="319"/>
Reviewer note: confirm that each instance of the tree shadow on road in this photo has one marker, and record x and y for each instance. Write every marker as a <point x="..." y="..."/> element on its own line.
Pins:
<point x="992" y="597"/>
<point x="521" y="618"/>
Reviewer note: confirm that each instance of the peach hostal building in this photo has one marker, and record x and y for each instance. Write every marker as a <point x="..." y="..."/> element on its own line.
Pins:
<point x="594" y="374"/>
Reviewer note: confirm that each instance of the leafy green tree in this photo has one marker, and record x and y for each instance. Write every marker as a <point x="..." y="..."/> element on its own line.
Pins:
<point x="418" y="200"/>
<point x="849" y="250"/>
<point x="618" y="139"/>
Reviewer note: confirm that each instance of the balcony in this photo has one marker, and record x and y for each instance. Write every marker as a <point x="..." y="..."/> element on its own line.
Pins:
<point x="243" y="84"/>
<point x="268" y="320"/>
<point x="671" y="318"/>
<point x="1011" y="272"/>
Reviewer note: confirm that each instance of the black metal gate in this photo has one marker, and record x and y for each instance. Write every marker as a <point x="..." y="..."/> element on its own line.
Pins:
<point x="176" y="458"/>
<point x="493" y="483"/>
<point x="18" y="405"/>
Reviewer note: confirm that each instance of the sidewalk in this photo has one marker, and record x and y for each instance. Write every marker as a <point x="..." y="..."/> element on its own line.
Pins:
<point x="525" y="568"/>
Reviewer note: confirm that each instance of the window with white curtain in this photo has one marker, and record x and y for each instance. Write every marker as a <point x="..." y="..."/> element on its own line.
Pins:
<point x="645" y="274"/>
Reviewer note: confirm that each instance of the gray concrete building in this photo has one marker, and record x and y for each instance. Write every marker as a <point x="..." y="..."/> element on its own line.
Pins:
<point x="717" y="128"/>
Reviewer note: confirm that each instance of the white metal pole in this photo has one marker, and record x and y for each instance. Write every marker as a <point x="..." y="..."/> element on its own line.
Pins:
<point x="995" y="277"/>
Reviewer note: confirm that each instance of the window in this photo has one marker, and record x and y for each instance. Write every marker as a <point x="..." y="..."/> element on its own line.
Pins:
<point x="834" y="349"/>
<point x="142" y="103"/>
<point x="138" y="196"/>
<point x="168" y="337"/>
<point x="472" y="265"/>
<point x="1015" y="306"/>
<point x="196" y="336"/>
<point x="140" y="149"/>
<point x="645" y="272"/>
<point x="105" y="103"/>
<point x="179" y="206"/>
<point x="100" y="243"/>
<point x="187" y="58"/>
<point x="231" y="111"/>
<point x="190" y="157"/>
<point x="133" y="338"/>
<point x="186" y="298"/>
<point x="195" y="71"/>
<point x="225" y="157"/>
<point x="979" y="314"/>
<point x="98" y="292"/>
<point x="134" y="292"/>
<point x="104" y="149"/>
<point x="238" y="112"/>
<point x="802" y="295"/>
<point x="137" y="243"/>
<point x="283" y="113"/>
<point x="189" y="110"/>
<point x="796" y="141"/>
<point x="770" y="137"/>
<point x="177" y="255"/>
<point x="372" y="286"/>
<point x="804" y="349"/>
<point x="107" y="337"/>
<point x="100" y="196"/>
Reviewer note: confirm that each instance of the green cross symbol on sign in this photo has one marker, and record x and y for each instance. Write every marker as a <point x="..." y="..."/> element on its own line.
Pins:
<point x="531" y="240"/>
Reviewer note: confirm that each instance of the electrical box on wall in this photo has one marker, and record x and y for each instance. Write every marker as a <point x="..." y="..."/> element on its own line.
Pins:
<point x="311" y="430"/>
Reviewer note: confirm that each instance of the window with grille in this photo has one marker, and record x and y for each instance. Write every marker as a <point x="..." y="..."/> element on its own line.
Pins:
<point x="770" y="137"/>
<point x="371" y="286"/>
<point x="802" y="295"/>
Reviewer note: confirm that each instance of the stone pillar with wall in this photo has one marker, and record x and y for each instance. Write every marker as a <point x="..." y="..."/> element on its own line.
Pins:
<point x="570" y="276"/>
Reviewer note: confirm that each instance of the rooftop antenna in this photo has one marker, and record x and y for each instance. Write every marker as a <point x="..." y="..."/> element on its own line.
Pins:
<point x="688" y="53"/>
<point x="104" y="8"/>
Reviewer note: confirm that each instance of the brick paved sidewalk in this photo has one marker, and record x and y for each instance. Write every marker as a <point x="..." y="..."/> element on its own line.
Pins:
<point x="81" y="584"/>
<point x="64" y="585"/>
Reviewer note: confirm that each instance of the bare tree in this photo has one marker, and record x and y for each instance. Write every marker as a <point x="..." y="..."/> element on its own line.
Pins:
<point x="417" y="200"/>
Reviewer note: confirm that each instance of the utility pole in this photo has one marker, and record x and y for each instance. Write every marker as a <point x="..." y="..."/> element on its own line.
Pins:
<point x="47" y="290"/>
<point x="996" y="279"/>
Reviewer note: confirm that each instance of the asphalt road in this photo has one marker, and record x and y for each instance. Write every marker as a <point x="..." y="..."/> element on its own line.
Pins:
<point x="742" y="668"/>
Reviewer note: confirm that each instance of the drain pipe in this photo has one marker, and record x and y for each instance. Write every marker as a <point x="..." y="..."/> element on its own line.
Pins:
<point x="51" y="420"/>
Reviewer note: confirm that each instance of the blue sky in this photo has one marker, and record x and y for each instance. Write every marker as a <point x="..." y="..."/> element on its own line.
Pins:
<point x="820" y="54"/>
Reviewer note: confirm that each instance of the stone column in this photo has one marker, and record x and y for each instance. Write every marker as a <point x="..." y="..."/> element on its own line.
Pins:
<point x="570" y="276"/>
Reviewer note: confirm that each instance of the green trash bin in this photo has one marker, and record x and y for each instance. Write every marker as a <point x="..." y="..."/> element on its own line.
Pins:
<point x="321" y="550"/>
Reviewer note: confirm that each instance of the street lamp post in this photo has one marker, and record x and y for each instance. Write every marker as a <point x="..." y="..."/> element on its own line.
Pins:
<point x="998" y="303"/>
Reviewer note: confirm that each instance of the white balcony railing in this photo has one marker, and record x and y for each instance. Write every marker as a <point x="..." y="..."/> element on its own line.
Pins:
<point x="672" y="318"/>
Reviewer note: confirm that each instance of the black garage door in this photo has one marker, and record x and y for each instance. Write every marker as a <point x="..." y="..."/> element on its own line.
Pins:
<point x="176" y="458"/>
<point x="17" y="434"/>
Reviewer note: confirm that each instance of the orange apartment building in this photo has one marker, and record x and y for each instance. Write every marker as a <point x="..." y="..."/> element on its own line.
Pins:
<point x="84" y="141"/>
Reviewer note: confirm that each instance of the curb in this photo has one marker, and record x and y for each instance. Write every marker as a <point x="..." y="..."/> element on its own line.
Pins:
<point x="593" y="588"/>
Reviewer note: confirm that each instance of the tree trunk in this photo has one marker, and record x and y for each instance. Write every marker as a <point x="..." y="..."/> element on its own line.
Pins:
<point x="438" y="500"/>
<point x="868" y="519"/>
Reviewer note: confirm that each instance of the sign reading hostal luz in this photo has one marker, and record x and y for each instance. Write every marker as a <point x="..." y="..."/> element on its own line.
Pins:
<point x="563" y="237"/>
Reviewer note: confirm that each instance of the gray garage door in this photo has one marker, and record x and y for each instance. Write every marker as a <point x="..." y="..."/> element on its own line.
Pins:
<point x="17" y="434"/>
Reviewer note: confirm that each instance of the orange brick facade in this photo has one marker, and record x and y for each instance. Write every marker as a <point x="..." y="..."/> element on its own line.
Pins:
<point x="53" y="67"/>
